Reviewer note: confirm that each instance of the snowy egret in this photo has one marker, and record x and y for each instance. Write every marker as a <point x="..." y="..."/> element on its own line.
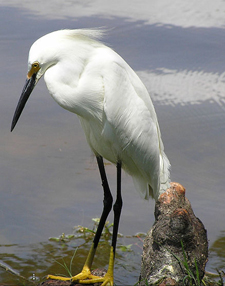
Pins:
<point x="116" y="112"/>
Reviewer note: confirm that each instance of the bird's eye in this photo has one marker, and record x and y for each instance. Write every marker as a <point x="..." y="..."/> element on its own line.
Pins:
<point x="35" y="65"/>
<point x="34" y="69"/>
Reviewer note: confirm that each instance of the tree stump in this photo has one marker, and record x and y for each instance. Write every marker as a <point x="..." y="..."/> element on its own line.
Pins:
<point x="177" y="238"/>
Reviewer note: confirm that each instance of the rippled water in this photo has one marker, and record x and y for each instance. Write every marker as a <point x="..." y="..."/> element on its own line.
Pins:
<point x="49" y="179"/>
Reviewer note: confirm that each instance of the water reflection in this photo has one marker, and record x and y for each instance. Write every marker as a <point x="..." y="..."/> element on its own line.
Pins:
<point x="39" y="260"/>
<point x="172" y="87"/>
<point x="184" y="14"/>
<point x="217" y="252"/>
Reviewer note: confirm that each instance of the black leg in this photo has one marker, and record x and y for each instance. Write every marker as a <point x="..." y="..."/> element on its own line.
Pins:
<point x="85" y="276"/>
<point x="107" y="202"/>
<point x="117" y="208"/>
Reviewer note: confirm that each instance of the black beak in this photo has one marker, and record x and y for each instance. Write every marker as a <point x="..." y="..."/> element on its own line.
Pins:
<point x="28" y="87"/>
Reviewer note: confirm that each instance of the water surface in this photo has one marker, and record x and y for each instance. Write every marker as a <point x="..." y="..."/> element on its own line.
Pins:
<point x="49" y="178"/>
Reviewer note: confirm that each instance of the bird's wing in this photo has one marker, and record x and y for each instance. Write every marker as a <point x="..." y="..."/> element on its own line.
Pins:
<point x="130" y="125"/>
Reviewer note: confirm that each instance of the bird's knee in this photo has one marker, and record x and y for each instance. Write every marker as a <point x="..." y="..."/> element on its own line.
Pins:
<point x="118" y="206"/>
<point x="107" y="202"/>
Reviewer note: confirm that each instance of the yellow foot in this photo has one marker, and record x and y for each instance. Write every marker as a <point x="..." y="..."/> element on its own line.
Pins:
<point x="107" y="280"/>
<point x="85" y="277"/>
<point x="58" y="278"/>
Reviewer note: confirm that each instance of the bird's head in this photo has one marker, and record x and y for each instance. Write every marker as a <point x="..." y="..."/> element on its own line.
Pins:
<point x="38" y="62"/>
<point x="70" y="46"/>
<point x="27" y="89"/>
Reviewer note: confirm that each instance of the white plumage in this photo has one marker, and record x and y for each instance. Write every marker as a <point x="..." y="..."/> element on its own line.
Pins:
<point x="117" y="115"/>
<point x="115" y="110"/>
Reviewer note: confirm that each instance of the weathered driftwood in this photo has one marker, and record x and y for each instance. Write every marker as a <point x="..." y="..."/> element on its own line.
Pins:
<point x="177" y="235"/>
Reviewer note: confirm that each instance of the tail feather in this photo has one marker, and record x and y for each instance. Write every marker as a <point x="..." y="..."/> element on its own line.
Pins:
<point x="164" y="173"/>
<point x="141" y="185"/>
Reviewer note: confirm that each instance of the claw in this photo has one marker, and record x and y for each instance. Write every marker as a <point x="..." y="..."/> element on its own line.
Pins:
<point x="85" y="276"/>
<point x="58" y="278"/>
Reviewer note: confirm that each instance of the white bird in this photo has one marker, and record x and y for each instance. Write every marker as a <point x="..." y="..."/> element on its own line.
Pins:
<point x="116" y="112"/>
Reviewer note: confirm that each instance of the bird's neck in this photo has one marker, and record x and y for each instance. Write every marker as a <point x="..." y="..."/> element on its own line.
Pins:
<point x="73" y="89"/>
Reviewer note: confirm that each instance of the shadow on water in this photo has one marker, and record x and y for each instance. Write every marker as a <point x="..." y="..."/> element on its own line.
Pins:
<point x="217" y="252"/>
